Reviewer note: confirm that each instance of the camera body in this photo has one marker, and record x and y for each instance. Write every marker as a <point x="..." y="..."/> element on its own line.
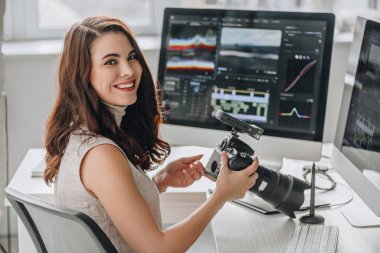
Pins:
<point x="238" y="152"/>
<point x="283" y="192"/>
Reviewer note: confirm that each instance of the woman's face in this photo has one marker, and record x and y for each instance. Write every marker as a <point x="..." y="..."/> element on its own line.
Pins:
<point x="115" y="71"/>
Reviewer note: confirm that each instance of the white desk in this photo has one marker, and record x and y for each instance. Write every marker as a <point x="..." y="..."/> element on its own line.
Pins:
<point x="237" y="228"/>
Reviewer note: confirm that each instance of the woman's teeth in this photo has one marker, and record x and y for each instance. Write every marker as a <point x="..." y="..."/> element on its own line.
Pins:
<point x="125" y="86"/>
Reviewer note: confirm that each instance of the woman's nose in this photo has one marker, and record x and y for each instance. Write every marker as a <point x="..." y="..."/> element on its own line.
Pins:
<point x="126" y="70"/>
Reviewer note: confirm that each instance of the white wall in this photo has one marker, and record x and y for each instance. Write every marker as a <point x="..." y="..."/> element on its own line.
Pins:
<point x="30" y="87"/>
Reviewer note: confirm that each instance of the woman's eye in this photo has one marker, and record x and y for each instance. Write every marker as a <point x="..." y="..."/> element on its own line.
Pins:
<point x="132" y="57"/>
<point x="110" y="62"/>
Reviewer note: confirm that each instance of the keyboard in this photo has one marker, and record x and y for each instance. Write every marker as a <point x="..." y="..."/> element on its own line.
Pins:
<point x="314" y="238"/>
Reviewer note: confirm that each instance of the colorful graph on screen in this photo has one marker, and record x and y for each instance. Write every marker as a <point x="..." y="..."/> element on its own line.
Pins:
<point x="185" y="65"/>
<point x="198" y="42"/>
<point x="295" y="114"/>
<point x="191" y="49"/>
<point x="246" y="105"/>
<point x="300" y="76"/>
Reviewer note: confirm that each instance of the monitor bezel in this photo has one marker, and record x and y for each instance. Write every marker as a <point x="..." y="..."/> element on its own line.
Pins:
<point x="343" y="160"/>
<point x="350" y="77"/>
<point x="329" y="18"/>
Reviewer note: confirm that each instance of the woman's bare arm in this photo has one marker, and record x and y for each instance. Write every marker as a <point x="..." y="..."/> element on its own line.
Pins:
<point x="107" y="175"/>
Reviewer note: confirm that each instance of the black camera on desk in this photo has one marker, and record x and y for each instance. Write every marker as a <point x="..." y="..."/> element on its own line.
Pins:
<point x="284" y="192"/>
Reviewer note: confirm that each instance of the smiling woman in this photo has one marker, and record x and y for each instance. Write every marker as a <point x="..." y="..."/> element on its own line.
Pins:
<point x="115" y="69"/>
<point x="102" y="136"/>
<point x="91" y="67"/>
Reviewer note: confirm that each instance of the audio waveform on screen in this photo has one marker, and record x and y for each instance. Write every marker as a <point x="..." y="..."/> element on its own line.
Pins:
<point x="197" y="42"/>
<point x="301" y="73"/>
<point x="191" y="50"/>
<point x="294" y="112"/>
<point x="194" y="64"/>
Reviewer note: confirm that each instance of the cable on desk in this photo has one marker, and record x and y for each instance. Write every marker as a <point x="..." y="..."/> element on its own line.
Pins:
<point x="323" y="173"/>
<point x="346" y="202"/>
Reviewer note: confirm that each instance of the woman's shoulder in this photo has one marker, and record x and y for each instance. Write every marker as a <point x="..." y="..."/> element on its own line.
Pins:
<point x="83" y="140"/>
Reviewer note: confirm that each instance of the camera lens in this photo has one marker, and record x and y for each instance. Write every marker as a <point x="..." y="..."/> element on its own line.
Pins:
<point x="284" y="192"/>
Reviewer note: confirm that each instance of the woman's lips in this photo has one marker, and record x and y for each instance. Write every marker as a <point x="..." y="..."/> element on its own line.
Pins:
<point x="127" y="86"/>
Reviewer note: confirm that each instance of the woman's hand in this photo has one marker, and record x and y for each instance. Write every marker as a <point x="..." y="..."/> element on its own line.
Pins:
<point x="234" y="184"/>
<point x="180" y="173"/>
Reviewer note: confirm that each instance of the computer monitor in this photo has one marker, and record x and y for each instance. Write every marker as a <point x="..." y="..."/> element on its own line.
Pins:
<point x="267" y="68"/>
<point x="356" y="153"/>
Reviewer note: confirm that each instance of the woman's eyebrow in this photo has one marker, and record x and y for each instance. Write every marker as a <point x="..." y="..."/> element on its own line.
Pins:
<point x="132" y="51"/>
<point x="111" y="54"/>
<point x="116" y="54"/>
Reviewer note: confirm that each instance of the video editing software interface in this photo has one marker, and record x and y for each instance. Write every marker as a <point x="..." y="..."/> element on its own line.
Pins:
<point x="363" y="121"/>
<point x="262" y="70"/>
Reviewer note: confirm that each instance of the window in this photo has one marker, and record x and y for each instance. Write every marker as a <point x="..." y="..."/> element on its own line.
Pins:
<point x="45" y="19"/>
<point x="135" y="12"/>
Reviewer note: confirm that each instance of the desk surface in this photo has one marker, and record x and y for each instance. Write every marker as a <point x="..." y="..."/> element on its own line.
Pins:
<point x="239" y="229"/>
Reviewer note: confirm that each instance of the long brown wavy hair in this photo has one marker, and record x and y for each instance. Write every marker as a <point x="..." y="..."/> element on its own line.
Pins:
<point x="78" y="104"/>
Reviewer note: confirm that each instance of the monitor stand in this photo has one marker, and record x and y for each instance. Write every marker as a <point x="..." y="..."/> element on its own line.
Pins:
<point x="361" y="217"/>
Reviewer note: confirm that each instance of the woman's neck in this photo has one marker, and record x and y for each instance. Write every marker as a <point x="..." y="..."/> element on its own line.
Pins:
<point x="117" y="111"/>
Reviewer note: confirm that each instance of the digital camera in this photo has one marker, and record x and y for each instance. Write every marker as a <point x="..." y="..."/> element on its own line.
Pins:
<point x="284" y="192"/>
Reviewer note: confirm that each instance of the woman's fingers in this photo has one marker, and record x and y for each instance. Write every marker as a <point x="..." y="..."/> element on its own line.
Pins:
<point x="192" y="174"/>
<point x="187" y="173"/>
<point x="198" y="166"/>
<point x="195" y="173"/>
<point x="253" y="179"/>
<point x="223" y="162"/>
<point x="252" y="168"/>
<point x="196" y="170"/>
<point x="191" y="159"/>
<point x="197" y="176"/>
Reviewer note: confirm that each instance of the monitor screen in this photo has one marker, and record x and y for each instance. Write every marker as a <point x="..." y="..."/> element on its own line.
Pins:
<point x="357" y="153"/>
<point x="361" y="139"/>
<point x="270" y="69"/>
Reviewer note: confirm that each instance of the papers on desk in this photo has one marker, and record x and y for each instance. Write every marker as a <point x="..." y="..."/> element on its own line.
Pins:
<point x="176" y="206"/>
<point x="39" y="168"/>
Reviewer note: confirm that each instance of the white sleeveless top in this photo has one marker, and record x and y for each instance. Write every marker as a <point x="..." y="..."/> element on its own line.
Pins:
<point x="70" y="192"/>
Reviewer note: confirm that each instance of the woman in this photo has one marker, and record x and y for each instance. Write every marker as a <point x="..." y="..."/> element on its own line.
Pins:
<point x="102" y="136"/>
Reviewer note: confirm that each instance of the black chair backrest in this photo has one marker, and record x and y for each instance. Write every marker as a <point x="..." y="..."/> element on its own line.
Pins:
<point x="57" y="229"/>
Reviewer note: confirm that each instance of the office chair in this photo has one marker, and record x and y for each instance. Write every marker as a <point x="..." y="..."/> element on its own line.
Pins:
<point x="57" y="229"/>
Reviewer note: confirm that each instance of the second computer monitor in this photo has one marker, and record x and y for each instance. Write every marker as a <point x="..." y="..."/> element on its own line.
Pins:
<point x="270" y="69"/>
<point x="357" y="153"/>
